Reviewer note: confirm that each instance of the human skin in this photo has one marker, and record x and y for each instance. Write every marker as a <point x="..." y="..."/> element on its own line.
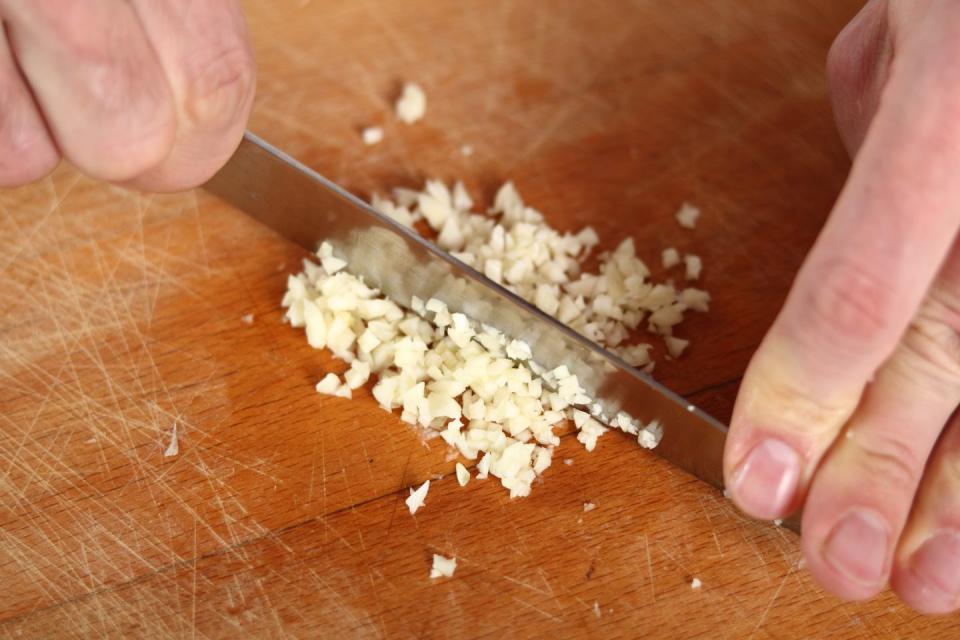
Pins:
<point x="847" y="407"/>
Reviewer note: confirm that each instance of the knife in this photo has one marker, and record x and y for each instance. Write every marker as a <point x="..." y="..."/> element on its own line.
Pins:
<point x="306" y="208"/>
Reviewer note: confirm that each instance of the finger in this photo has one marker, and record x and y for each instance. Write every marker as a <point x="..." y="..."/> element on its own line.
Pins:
<point x="926" y="572"/>
<point x="97" y="81"/>
<point x="864" y="489"/>
<point x="857" y="67"/>
<point x="859" y="287"/>
<point x="205" y="53"/>
<point x="26" y="151"/>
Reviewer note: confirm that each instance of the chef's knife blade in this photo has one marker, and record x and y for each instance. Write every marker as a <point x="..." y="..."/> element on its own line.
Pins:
<point x="306" y="208"/>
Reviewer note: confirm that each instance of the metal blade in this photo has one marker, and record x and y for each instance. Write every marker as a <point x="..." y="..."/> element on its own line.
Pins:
<point x="306" y="208"/>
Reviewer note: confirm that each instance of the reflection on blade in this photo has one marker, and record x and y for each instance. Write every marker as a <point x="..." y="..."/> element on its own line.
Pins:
<point x="306" y="208"/>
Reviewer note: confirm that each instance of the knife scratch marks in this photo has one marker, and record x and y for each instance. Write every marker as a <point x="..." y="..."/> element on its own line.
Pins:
<point x="717" y="541"/>
<point x="99" y="605"/>
<point x="335" y="595"/>
<point x="85" y="398"/>
<point x="544" y="133"/>
<point x="646" y="546"/>
<point x="374" y="14"/>
<point x="543" y="613"/>
<point x="26" y="239"/>
<point x="198" y="219"/>
<point x="38" y="569"/>
<point x="323" y="473"/>
<point x="13" y="458"/>
<point x="376" y="593"/>
<point x="313" y="465"/>
<point x="766" y="611"/>
<point x="674" y="559"/>
<point x="366" y="458"/>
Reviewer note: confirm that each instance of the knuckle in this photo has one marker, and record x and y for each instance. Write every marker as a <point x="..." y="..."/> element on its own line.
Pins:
<point x="847" y="306"/>
<point x="219" y="86"/>
<point x="932" y="343"/>
<point x="889" y="458"/>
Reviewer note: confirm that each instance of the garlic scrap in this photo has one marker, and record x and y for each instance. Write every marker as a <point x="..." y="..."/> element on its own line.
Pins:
<point x="443" y="567"/>
<point x="412" y="104"/>
<point x="687" y="216"/>
<point x="417" y="497"/>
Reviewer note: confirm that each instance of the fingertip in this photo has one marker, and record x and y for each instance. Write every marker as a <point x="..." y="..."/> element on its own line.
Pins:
<point x="765" y="482"/>
<point x="928" y="579"/>
<point x="851" y="524"/>
<point x="838" y="563"/>
<point x="919" y="596"/>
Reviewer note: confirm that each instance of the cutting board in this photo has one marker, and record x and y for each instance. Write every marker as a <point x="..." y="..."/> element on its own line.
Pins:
<point x="122" y="314"/>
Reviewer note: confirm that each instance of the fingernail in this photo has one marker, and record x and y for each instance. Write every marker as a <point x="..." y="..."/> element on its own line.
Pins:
<point x="937" y="563"/>
<point x="857" y="546"/>
<point x="767" y="479"/>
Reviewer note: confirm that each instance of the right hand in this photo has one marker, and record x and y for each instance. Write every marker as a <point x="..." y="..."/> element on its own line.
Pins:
<point x="153" y="94"/>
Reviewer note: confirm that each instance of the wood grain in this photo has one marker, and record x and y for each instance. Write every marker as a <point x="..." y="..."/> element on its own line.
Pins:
<point x="283" y="515"/>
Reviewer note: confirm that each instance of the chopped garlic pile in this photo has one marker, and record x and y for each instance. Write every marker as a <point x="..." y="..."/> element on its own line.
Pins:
<point x="446" y="374"/>
<point x="469" y="383"/>
<point x="515" y="247"/>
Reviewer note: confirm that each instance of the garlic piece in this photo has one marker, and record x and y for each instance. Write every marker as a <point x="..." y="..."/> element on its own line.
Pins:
<point x="443" y="567"/>
<point x="417" y="497"/>
<point x="412" y="104"/>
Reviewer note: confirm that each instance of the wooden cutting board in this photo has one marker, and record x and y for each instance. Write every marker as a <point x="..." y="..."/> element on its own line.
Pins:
<point x="283" y="514"/>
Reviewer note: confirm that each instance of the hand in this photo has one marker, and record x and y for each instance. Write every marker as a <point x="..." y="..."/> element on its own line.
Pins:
<point x="150" y="93"/>
<point x="848" y="405"/>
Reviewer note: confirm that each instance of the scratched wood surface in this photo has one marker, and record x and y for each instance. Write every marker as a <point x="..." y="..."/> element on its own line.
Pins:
<point x="283" y="514"/>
